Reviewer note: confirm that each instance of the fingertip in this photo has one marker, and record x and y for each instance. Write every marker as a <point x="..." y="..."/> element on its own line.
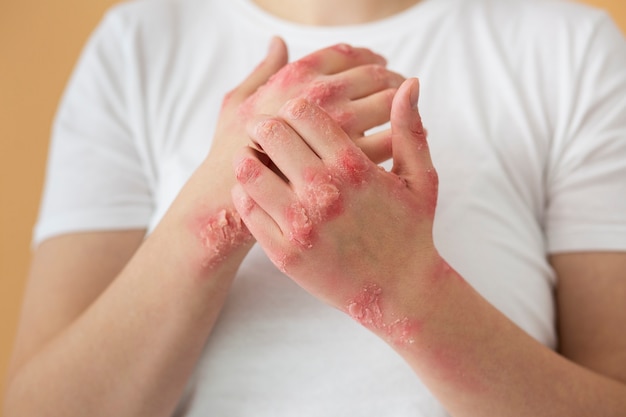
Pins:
<point x="273" y="45"/>
<point x="409" y="145"/>
<point x="408" y="91"/>
<point x="278" y="48"/>
<point x="404" y="108"/>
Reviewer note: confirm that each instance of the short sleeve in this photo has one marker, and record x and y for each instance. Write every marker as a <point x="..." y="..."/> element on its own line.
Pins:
<point x="586" y="180"/>
<point x="96" y="175"/>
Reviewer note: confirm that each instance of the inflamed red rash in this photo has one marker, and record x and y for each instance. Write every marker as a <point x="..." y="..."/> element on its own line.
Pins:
<point x="301" y="70"/>
<point x="321" y="199"/>
<point x="299" y="109"/>
<point x="320" y="202"/>
<point x="354" y="166"/>
<point x="322" y="92"/>
<point x="300" y="73"/>
<point x="300" y="224"/>
<point x="247" y="170"/>
<point x="366" y="309"/>
<point x="219" y="234"/>
<point x="293" y="74"/>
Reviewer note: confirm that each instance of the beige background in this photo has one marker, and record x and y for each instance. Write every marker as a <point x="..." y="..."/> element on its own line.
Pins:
<point x="39" y="43"/>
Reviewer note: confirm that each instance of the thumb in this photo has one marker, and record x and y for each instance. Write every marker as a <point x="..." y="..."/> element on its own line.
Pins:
<point x="411" y="157"/>
<point x="275" y="59"/>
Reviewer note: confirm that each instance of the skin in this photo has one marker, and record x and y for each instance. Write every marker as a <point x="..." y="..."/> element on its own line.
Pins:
<point x="393" y="281"/>
<point x="84" y="350"/>
<point x="86" y="345"/>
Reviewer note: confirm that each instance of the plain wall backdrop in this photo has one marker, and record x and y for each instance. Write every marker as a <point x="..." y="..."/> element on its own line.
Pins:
<point x="39" y="43"/>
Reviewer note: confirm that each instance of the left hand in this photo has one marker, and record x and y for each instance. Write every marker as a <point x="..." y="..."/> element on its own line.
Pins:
<point x="350" y="233"/>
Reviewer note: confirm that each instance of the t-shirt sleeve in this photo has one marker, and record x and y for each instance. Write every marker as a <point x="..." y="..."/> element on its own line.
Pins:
<point x="586" y="181"/>
<point x="97" y="176"/>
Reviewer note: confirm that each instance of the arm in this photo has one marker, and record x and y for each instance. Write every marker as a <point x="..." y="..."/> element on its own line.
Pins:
<point x="114" y="324"/>
<point x="471" y="356"/>
<point x="591" y="300"/>
<point x="109" y="345"/>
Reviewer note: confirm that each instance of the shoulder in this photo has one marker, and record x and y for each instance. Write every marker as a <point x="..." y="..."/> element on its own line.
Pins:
<point x="553" y="37"/>
<point x="543" y="13"/>
<point x="542" y="21"/>
<point x="154" y="33"/>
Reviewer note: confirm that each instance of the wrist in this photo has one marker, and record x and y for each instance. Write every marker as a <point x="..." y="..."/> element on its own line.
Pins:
<point x="219" y="236"/>
<point x="397" y="310"/>
<point x="202" y="229"/>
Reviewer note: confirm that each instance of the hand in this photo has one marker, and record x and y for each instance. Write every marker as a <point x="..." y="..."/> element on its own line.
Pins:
<point x="350" y="233"/>
<point x="351" y="83"/>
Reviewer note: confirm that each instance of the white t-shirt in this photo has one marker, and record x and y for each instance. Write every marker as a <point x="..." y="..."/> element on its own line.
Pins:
<point x="525" y="104"/>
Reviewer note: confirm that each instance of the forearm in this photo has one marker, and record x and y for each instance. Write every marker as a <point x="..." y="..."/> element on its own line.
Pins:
<point x="479" y="363"/>
<point x="132" y="351"/>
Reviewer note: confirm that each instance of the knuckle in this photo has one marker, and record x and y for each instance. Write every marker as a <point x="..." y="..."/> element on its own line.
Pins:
<point x="268" y="128"/>
<point x="294" y="73"/>
<point x="322" y="92"/>
<point x="346" y="119"/>
<point x="248" y="170"/>
<point x="379" y="74"/>
<point x="296" y="108"/>
<point x="344" y="49"/>
<point x="299" y="69"/>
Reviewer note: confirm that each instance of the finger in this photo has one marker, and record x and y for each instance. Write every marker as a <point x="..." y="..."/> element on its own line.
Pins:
<point x="368" y="112"/>
<point x="267" y="198"/>
<point x="365" y="80"/>
<point x="411" y="157"/>
<point x="286" y="149"/>
<point x="340" y="57"/>
<point x="376" y="146"/>
<point x="260" y="224"/>
<point x="328" y="140"/>
<point x="264" y="187"/>
<point x="275" y="59"/>
<point x="316" y="127"/>
<point x="264" y="229"/>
